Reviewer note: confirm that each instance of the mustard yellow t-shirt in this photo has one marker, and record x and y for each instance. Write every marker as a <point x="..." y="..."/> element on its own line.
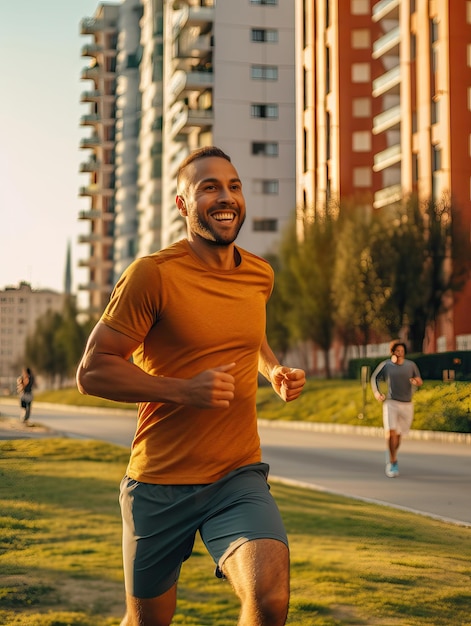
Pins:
<point x="190" y="318"/>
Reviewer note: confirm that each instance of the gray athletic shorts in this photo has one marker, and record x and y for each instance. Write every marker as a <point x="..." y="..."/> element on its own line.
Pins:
<point x="160" y="523"/>
<point x="397" y="416"/>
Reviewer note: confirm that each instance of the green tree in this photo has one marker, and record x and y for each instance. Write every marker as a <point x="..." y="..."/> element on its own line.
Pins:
<point x="399" y="258"/>
<point x="445" y="269"/>
<point x="56" y="345"/>
<point x="42" y="350"/>
<point x="423" y="258"/>
<point x="358" y="291"/>
<point x="278" y="329"/>
<point x="310" y="270"/>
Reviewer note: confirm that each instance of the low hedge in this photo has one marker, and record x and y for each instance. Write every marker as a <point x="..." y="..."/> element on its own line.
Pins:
<point x="439" y="366"/>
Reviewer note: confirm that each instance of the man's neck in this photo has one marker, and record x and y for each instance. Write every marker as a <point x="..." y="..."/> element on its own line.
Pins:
<point x="215" y="256"/>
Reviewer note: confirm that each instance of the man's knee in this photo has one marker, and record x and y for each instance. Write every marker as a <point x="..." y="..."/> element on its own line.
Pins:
<point x="157" y="611"/>
<point x="259" y="573"/>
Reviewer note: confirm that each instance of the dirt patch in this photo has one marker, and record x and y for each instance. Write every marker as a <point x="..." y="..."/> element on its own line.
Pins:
<point x="90" y="596"/>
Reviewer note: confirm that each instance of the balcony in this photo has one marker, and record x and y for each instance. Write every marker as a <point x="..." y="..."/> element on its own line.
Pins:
<point x="91" y="25"/>
<point x="198" y="117"/>
<point x="96" y="72"/>
<point x="191" y="16"/>
<point x="200" y="16"/>
<point x="90" y="142"/>
<point x="178" y="116"/>
<point x="387" y="196"/>
<point x="91" y="50"/>
<point x="199" y="80"/>
<point x="386" y="158"/>
<point x="95" y="287"/>
<point x="387" y="120"/>
<point x="386" y="8"/>
<point x="90" y="73"/>
<point x="90" y="119"/>
<point x="95" y="190"/>
<point x="387" y="43"/>
<point x="95" y="95"/>
<point x="90" y="96"/>
<point x="96" y="262"/>
<point x="177" y="84"/>
<point x="96" y="214"/>
<point x="389" y="81"/>
<point x="194" y="47"/>
<point x="96" y="238"/>
<point x="90" y="166"/>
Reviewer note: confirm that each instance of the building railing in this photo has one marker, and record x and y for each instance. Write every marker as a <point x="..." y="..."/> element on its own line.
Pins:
<point x="386" y="119"/>
<point x="386" y="42"/>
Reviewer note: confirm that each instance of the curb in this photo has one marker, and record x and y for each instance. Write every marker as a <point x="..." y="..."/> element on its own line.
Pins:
<point x="321" y="427"/>
<point x="370" y="431"/>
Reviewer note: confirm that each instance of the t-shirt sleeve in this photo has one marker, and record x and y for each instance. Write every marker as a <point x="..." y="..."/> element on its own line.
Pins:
<point x="134" y="303"/>
<point x="415" y="370"/>
<point x="376" y="376"/>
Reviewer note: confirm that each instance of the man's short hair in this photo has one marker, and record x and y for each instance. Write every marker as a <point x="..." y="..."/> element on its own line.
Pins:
<point x="200" y="153"/>
<point x="395" y="343"/>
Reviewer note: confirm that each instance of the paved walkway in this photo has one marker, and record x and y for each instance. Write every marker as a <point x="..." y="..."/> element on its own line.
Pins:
<point x="16" y="429"/>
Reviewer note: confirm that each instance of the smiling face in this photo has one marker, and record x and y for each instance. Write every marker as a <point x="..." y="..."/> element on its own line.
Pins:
<point x="210" y="197"/>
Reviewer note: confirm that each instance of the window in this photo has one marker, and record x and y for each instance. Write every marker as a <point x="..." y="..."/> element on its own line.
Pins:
<point x="415" y="167"/>
<point x="360" y="7"/>
<point x="361" y="39"/>
<point x="264" y="35"/>
<point x="266" y="187"/>
<point x="265" y="148"/>
<point x="264" y="110"/>
<point x="327" y="69"/>
<point x="436" y="159"/>
<point x="362" y="177"/>
<point x="264" y="72"/>
<point x="361" y="73"/>
<point x="264" y="224"/>
<point x="361" y="141"/>
<point x="434" y="31"/>
<point x="361" y="107"/>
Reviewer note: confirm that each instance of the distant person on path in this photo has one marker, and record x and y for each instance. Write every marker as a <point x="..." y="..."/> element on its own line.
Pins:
<point x="192" y="316"/>
<point x="24" y="386"/>
<point x="401" y="376"/>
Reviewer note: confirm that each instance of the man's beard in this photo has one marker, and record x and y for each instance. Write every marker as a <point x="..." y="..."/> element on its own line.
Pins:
<point x="203" y="229"/>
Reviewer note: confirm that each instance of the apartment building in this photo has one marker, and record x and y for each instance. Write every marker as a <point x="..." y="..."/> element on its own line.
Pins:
<point x="229" y="81"/>
<point x="384" y="110"/>
<point x="20" y="308"/>
<point x="99" y="166"/>
<point x="171" y="76"/>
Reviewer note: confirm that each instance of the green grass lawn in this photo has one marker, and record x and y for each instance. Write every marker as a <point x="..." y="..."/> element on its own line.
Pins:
<point x="352" y="562"/>
<point x="438" y="406"/>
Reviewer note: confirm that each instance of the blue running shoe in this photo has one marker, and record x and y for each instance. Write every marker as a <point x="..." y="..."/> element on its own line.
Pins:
<point x="392" y="470"/>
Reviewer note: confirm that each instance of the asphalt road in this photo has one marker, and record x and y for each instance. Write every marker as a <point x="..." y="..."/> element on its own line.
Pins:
<point x="434" y="475"/>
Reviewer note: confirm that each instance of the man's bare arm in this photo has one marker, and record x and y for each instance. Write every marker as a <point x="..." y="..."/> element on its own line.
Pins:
<point x="106" y="371"/>
<point x="287" y="382"/>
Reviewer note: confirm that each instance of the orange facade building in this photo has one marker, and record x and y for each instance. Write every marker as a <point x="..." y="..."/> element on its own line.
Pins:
<point x="384" y="110"/>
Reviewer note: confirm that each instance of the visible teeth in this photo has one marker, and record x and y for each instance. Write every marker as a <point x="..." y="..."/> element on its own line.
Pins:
<point x="223" y="216"/>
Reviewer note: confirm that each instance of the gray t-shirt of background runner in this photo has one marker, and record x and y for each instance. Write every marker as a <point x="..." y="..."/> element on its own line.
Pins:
<point x="397" y="378"/>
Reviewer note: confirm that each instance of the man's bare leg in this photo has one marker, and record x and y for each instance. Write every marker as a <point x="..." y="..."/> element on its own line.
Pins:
<point x="259" y="573"/>
<point x="157" y="611"/>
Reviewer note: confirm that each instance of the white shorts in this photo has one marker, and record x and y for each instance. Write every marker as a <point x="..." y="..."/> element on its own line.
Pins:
<point x="397" y="416"/>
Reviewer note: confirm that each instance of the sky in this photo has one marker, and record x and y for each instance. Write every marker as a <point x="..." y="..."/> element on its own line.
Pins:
<point x="40" y="132"/>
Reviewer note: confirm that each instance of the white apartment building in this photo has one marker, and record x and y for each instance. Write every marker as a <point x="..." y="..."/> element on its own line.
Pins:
<point x="229" y="81"/>
<point x="20" y="308"/>
<point x="100" y="98"/>
<point x="184" y="74"/>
